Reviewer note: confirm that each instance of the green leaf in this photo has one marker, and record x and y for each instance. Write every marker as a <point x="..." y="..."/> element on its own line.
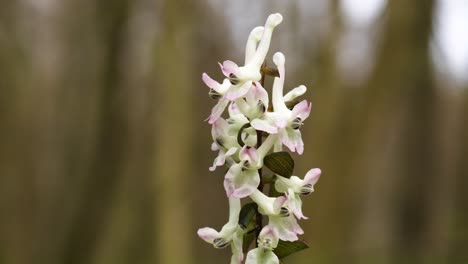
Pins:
<point x="247" y="222"/>
<point x="286" y="248"/>
<point x="280" y="163"/>
<point x="239" y="134"/>
<point x="247" y="214"/>
<point x="248" y="238"/>
<point x="274" y="192"/>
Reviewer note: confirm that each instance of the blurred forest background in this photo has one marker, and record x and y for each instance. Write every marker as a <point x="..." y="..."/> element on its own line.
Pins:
<point x="104" y="154"/>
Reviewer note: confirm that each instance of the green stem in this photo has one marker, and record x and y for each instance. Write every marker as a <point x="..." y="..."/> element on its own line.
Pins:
<point x="259" y="218"/>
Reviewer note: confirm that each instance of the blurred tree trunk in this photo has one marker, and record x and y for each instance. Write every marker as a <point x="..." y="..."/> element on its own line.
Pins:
<point x="397" y="119"/>
<point x="173" y="177"/>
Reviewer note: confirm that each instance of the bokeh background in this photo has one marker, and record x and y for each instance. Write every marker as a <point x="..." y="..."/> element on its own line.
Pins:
<point x="104" y="152"/>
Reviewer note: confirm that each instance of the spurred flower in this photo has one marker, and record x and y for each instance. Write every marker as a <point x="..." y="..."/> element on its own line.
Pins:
<point x="242" y="178"/>
<point x="278" y="214"/>
<point x="239" y="80"/>
<point x="231" y="233"/>
<point x="295" y="186"/>
<point x="263" y="254"/>
<point x="283" y="121"/>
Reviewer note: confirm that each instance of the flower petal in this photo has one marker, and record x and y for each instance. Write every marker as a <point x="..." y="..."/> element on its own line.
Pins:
<point x="208" y="234"/>
<point x="312" y="176"/>
<point x="271" y="234"/>
<point x="229" y="67"/>
<point x="239" y="183"/>
<point x="249" y="154"/>
<point x="217" y="110"/>
<point x="301" y="110"/>
<point x="238" y="91"/>
<point x="220" y="88"/>
<point x="292" y="139"/>
<point x="278" y="203"/>
<point x="295" y="204"/>
<point x="294" y="93"/>
<point x="259" y="256"/>
<point x="263" y="125"/>
<point x="287" y="227"/>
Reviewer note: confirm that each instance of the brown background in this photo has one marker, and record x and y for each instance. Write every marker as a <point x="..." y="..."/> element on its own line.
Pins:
<point x="104" y="154"/>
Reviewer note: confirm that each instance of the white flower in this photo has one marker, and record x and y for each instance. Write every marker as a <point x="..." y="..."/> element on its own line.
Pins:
<point x="224" y="133"/>
<point x="282" y="121"/>
<point x="255" y="103"/>
<point x="267" y="241"/>
<point x="242" y="178"/>
<point x="278" y="214"/>
<point x="239" y="80"/>
<point x="295" y="186"/>
<point x="231" y="233"/>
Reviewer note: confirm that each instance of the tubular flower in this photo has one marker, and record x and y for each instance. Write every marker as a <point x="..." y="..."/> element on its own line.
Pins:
<point x="283" y="121"/>
<point x="242" y="178"/>
<point x="278" y="214"/>
<point x="231" y="232"/>
<point x="250" y="136"/>
<point x="239" y="80"/>
<point x="224" y="134"/>
<point x="263" y="254"/>
<point x="294" y="186"/>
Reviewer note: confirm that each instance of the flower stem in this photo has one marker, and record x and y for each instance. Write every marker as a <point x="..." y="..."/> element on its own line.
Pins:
<point x="258" y="217"/>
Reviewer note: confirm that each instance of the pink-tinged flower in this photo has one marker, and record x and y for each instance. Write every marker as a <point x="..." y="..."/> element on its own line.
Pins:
<point x="283" y="121"/>
<point x="224" y="133"/>
<point x="278" y="214"/>
<point x="225" y="144"/>
<point x="255" y="103"/>
<point x="239" y="80"/>
<point x="263" y="254"/>
<point x="231" y="233"/>
<point x="251" y="70"/>
<point x="294" y="186"/>
<point x="242" y="178"/>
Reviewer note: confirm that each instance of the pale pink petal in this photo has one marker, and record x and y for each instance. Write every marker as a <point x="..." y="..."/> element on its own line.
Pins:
<point x="312" y="176"/>
<point x="233" y="109"/>
<point x="263" y="125"/>
<point x="238" y="91"/>
<point x="287" y="227"/>
<point x="220" y="88"/>
<point x="295" y="204"/>
<point x="292" y="139"/>
<point x="221" y="158"/>
<point x="260" y="256"/>
<point x="302" y="110"/>
<point x="218" y="161"/>
<point x="214" y="146"/>
<point x="239" y="183"/>
<point x="217" y="110"/>
<point x="219" y="128"/>
<point x="278" y="203"/>
<point x="208" y="234"/>
<point x="210" y="82"/>
<point x="261" y="94"/>
<point x="249" y="154"/>
<point x="229" y="67"/>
